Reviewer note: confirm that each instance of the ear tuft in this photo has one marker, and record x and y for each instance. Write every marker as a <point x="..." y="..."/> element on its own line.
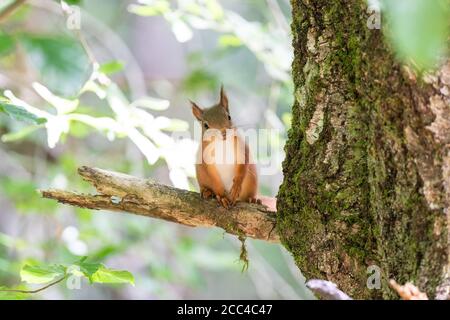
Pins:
<point x="197" y="111"/>
<point x="223" y="98"/>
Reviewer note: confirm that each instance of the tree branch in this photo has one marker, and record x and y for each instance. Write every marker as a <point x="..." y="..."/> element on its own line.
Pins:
<point x="36" y="290"/>
<point x="10" y="9"/>
<point x="120" y="192"/>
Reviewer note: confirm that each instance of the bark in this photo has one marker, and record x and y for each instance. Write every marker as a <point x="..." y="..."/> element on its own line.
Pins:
<point x="366" y="174"/>
<point x="120" y="192"/>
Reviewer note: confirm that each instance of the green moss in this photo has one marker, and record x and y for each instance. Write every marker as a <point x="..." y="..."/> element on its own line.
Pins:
<point x="364" y="201"/>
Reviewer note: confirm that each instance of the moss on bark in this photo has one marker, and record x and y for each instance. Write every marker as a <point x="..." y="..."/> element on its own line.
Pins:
<point x="352" y="193"/>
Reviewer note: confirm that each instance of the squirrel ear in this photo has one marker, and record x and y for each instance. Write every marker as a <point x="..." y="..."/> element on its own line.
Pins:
<point x="197" y="111"/>
<point x="223" y="98"/>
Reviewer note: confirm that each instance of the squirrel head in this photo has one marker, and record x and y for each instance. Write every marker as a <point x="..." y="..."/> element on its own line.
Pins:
<point x="216" y="117"/>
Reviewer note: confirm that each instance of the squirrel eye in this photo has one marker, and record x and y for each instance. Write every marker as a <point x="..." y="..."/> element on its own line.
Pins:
<point x="229" y="117"/>
<point x="206" y="125"/>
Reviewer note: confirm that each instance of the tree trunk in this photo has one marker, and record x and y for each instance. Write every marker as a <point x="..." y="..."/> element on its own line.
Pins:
<point x="367" y="168"/>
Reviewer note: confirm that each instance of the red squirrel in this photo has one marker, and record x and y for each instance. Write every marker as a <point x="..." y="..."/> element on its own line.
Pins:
<point x="231" y="177"/>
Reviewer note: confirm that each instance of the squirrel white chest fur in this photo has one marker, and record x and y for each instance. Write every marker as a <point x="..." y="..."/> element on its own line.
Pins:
<point x="225" y="161"/>
<point x="224" y="154"/>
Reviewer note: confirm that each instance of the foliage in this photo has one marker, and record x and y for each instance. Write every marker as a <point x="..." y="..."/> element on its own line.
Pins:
<point x="18" y="113"/>
<point x="58" y="104"/>
<point x="56" y="58"/>
<point x="55" y="273"/>
<point x="419" y="30"/>
<point x="128" y="121"/>
<point x="266" y="41"/>
<point x="67" y="106"/>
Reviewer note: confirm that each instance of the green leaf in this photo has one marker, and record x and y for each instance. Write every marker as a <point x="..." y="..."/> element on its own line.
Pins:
<point x="63" y="65"/>
<point x="111" y="67"/>
<point x="97" y="272"/>
<point x="80" y="129"/>
<point x="83" y="259"/>
<point x="106" y="251"/>
<point x="6" y="43"/>
<point x="11" y="295"/>
<point x="214" y="8"/>
<point x="158" y="7"/>
<point x="229" y="40"/>
<point x="73" y="1"/>
<point x="20" y="114"/>
<point x="199" y="80"/>
<point x="419" y="30"/>
<point x="105" y="275"/>
<point x="42" y="274"/>
<point x="89" y="269"/>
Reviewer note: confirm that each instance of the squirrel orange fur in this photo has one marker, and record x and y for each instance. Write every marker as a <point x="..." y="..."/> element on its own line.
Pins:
<point x="224" y="165"/>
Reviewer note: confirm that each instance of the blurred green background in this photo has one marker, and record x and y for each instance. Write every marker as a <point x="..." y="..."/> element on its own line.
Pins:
<point x="106" y="83"/>
<point x="120" y="106"/>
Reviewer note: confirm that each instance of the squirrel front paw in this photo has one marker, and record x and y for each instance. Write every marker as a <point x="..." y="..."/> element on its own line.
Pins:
<point x="223" y="201"/>
<point x="206" y="193"/>
<point x="234" y="192"/>
<point x="254" y="200"/>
